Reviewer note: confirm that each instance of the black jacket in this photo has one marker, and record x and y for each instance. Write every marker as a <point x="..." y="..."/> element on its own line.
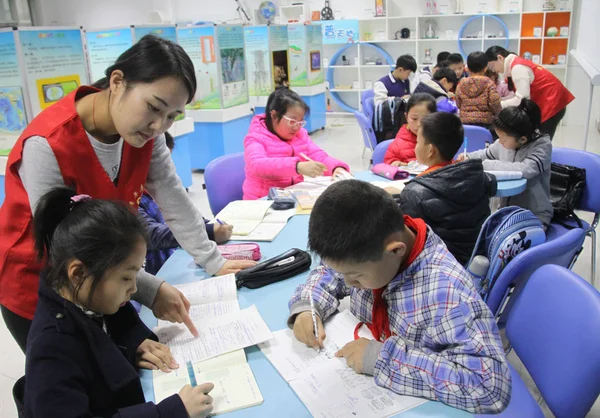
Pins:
<point x="454" y="201"/>
<point x="74" y="369"/>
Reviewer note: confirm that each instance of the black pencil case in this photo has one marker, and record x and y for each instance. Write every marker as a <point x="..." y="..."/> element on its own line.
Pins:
<point x="276" y="269"/>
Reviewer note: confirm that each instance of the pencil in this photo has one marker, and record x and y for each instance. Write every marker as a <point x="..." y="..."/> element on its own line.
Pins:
<point x="306" y="157"/>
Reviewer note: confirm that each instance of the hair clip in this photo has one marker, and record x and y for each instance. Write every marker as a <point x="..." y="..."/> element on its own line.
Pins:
<point x="79" y="198"/>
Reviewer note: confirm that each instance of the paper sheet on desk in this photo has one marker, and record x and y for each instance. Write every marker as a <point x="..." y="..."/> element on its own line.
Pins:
<point x="324" y="383"/>
<point x="217" y="335"/>
<point x="214" y="289"/>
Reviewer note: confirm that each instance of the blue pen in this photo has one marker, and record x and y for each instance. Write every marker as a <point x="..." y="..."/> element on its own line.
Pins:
<point x="190" y="370"/>
<point x="465" y="151"/>
<point x="220" y="221"/>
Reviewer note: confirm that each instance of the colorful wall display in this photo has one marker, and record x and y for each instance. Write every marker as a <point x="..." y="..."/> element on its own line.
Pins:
<point x="233" y="65"/>
<point x="256" y="40"/>
<point x="104" y="47"/>
<point x="13" y="117"/>
<point x="340" y="31"/>
<point x="298" y="55"/>
<point x="199" y="43"/>
<point x="54" y="64"/>
<point x="278" y="48"/>
<point x="314" y="42"/>
<point x="166" y="32"/>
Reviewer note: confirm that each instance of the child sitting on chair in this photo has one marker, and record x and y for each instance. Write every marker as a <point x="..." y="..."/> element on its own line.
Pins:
<point x="453" y="199"/>
<point x="278" y="151"/>
<point x="433" y="336"/>
<point x="439" y="87"/>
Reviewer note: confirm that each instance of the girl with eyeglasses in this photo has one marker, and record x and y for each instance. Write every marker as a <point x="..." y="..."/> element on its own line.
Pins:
<point x="278" y="150"/>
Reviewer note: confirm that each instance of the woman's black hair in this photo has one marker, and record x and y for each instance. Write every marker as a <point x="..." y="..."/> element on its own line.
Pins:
<point x="280" y="101"/>
<point x="99" y="233"/>
<point x="493" y="52"/>
<point x="422" y="98"/>
<point x="523" y="120"/>
<point x="151" y="59"/>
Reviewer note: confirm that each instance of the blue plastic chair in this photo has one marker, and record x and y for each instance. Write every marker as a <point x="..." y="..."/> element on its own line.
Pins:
<point x="380" y="150"/>
<point x="366" y="129"/>
<point x="224" y="178"/>
<point x="590" y="201"/>
<point x="366" y="98"/>
<point x="478" y="138"/>
<point x="553" y="329"/>
<point x="559" y="249"/>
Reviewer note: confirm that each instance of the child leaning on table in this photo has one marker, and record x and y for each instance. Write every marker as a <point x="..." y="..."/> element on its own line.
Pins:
<point x="86" y="341"/>
<point x="434" y="337"/>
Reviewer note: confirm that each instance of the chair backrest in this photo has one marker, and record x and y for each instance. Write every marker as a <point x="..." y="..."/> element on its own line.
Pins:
<point x="559" y="251"/>
<point x="224" y="178"/>
<point x="366" y="98"/>
<point x="553" y="328"/>
<point x="477" y="138"/>
<point x="366" y="129"/>
<point x="380" y="150"/>
<point x="590" y="200"/>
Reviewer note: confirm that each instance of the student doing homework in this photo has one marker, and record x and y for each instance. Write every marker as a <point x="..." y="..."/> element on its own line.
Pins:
<point x="277" y="146"/>
<point x="86" y="340"/>
<point x="433" y="336"/>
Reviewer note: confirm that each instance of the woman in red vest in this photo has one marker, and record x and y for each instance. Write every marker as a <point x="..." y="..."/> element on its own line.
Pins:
<point x="531" y="81"/>
<point x="107" y="143"/>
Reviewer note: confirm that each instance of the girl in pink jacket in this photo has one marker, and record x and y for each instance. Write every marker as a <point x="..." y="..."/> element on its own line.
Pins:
<point x="275" y="144"/>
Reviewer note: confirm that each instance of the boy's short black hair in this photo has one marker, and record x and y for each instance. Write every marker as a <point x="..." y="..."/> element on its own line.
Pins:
<point x="477" y="61"/>
<point x="455" y="59"/>
<point x="407" y="62"/>
<point x="351" y="221"/>
<point x="170" y="141"/>
<point x="442" y="57"/>
<point x="445" y="131"/>
<point x="447" y="73"/>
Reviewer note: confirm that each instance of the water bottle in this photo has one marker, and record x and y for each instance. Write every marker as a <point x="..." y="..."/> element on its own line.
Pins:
<point x="478" y="269"/>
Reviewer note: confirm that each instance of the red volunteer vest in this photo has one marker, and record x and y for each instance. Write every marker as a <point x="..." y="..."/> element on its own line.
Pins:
<point x="81" y="170"/>
<point x="546" y="90"/>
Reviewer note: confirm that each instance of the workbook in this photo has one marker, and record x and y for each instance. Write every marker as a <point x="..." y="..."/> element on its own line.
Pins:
<point x="327" y="387"/>
<point x="244" y="215"/>
<point x="235" y="385"/>
<point x="271" y="225"/>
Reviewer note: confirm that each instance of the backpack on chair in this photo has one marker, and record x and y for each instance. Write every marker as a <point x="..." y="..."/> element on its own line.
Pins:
<point x="566" y="188"/>
<point x="506" y="233"/>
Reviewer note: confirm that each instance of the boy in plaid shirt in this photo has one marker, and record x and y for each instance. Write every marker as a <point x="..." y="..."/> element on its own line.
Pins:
<point x="434" y="336"/>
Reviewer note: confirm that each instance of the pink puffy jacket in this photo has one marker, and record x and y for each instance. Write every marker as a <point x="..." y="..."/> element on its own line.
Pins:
<point x="271" y="161"/>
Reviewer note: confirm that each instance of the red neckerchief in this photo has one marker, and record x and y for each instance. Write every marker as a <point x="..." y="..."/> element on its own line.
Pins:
<point x="435" y="167"/>
<point x="380" y="327"/>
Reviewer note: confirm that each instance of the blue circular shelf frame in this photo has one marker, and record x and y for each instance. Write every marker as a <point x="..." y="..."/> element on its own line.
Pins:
<point x="334" y="95"/>
<point x="480" y="16"/>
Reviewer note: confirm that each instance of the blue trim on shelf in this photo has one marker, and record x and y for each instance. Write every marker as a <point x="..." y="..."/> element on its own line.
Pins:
<point x="334" y="95"/>
<point x="481" y="16"/>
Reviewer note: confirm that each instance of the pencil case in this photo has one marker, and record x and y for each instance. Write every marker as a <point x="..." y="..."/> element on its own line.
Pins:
<point x="389" y="172"/>
<point x="282" y="199"/>
<point x="240" y="251"/>
<point x="276" y="269"/>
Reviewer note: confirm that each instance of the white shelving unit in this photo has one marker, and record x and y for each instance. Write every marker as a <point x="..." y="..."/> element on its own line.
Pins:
<point x="383" y="31"/>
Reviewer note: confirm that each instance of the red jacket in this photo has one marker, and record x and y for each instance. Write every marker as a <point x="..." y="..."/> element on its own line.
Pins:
<point x="81" y="170"/>
<point x="547" y="91"/>
<point x="403" y="147"/>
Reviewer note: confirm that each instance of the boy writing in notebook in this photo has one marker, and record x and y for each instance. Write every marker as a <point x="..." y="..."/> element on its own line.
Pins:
<point x="434" y="337"/>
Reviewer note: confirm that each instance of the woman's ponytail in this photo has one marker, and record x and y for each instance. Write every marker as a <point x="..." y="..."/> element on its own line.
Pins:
<point x="50" y="211"/>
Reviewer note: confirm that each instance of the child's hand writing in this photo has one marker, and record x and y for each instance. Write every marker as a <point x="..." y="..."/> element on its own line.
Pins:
<point x="354" y="352"/>
<point x="153" y="355"/>
<point x="398" y="164"/>
<point x="222" y="232"/>
<point x="196" y="400"/>
<point x="304" y="330"/>
<point x="461" y="157"/>
<point x="311" y="168"/>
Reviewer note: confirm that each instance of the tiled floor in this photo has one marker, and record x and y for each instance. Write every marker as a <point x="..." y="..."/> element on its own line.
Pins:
<point x="345" y="143"/>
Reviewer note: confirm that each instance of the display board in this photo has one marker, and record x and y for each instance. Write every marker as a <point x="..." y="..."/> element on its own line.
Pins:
<point x="54" y="64"/>
<point x="314" y="43"/>
<point x="104" y="47"/>
<point x="298" y="55"/>
<point x="233" y="65"/>
<point x="13" y="117"/>
<point x="278" y="49"/>
<point x="256" y="40"/>
<point x="340" y="31"/>
<point x="166" y="32"/>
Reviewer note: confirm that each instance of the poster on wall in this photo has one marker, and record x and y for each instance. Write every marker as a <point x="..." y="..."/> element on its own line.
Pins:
<point x="278" y="48"/>
<point x="340" y="31"/>
<point x="298" y="55"/>
<point x="104" y="47"/>
<point x="233" y="65"/>
<point x="166" y="32"/>
<point x="199" y="43"/>
<point x="12" y="105"/>
<point x="256" y="39"/>
<point x="314" y="42"/>
<point x="54" y="64"/>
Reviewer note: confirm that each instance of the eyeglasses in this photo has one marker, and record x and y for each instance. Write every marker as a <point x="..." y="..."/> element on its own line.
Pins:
<point x="294" y="123"/>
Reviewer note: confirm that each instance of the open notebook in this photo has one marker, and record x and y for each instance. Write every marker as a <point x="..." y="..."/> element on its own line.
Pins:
<point x="254" y="220"/>
<point x="235" y="385"/>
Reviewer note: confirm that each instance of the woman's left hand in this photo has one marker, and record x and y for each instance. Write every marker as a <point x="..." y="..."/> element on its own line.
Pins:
<point x="154" y="356"/>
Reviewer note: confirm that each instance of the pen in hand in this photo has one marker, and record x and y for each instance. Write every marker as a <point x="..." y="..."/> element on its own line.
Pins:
<point x="314" y="318"/>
